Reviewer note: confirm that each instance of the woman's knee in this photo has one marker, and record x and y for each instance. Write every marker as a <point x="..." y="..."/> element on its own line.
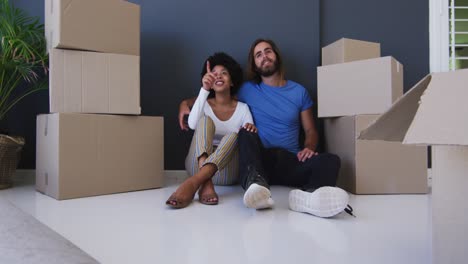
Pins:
<point x="206" y="122"/>
<point x="206" y="118"/>
<point x="230" y="136"/>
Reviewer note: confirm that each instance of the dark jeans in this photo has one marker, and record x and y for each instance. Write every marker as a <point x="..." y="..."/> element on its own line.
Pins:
<point x="276" y="166"/>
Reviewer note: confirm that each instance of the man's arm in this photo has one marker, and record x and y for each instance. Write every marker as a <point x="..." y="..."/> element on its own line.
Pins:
<point x="311" y="135"/>
<point x="184" y="109"/>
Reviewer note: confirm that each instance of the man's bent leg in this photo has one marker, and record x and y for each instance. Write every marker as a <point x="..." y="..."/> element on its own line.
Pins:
<point x="252" y="174"/>
<point x="250" y="160"/>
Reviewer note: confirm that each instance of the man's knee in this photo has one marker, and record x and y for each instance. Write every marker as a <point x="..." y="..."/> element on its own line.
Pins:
<point x="245" y="135"/>
<point x="332" y="160"/>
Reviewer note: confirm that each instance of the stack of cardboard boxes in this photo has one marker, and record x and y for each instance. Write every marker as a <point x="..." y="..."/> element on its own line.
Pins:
<point x="355" y="86"/>
<point x="94" y="142"/>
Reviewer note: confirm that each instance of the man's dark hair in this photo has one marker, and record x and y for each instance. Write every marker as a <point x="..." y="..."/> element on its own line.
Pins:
<point x="234" y="69"/>
<point x="252" y="71"/>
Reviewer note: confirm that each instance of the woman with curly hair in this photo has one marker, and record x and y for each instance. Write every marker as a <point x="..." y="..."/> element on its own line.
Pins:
<point x="216" y="117"/>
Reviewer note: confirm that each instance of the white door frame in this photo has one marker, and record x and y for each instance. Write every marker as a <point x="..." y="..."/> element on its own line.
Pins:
<point x="438" y="35"/>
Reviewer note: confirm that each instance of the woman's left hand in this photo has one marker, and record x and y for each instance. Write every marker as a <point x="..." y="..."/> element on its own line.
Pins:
<point x="250" y="127"/>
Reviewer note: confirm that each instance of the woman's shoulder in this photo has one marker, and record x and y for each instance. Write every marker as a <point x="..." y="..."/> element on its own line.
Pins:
<point x="242" y="105"/>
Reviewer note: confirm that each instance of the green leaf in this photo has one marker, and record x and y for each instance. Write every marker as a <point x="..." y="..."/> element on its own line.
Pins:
<point x="23" y="56"/>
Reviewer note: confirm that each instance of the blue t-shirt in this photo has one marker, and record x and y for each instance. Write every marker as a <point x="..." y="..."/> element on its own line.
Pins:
<point x="276" y="112"/>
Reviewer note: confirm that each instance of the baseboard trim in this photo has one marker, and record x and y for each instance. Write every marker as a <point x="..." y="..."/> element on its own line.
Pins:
<point x="23" y="173"/>
<point x="168" y="174"/>
<point x="176" y="174"/>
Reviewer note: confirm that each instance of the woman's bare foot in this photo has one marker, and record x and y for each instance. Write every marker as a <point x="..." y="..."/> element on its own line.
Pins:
<point x="183" y="196"/>
<point x="207" y="194"/>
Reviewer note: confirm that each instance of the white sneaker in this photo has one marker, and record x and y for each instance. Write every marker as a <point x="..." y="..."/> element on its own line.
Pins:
<point x="258" y="197"/>
<point x="323" y="202"/>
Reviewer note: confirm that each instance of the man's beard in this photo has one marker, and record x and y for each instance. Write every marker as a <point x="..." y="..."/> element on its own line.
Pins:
<point x="268" y="71"/>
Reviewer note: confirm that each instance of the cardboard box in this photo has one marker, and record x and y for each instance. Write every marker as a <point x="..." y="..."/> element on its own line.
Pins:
<point x="449" y="207"/>
<point x="81" y="155"/>
<point x="347" y="50"/>
<point x="111" y="26"/>
<point x="91" y="82"/>
<point x="374" y="167"/>
<point x="433" y="113"/>
<point x="359" y="87"/>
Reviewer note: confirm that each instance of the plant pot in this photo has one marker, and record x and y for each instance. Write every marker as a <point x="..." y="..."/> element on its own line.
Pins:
<point x="10" y="149"/>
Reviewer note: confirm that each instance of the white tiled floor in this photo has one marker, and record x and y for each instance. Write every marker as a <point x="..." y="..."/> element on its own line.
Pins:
<point x="137" y="227"/>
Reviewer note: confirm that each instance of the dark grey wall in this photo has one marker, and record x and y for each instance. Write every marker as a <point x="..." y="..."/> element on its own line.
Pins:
<point x="178" y="35"/>
<point x="401" y="26"/>
<point x="176" y="38"/>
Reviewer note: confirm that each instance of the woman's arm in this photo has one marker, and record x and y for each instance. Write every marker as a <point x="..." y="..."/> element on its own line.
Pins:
<point x="194" y="115"/>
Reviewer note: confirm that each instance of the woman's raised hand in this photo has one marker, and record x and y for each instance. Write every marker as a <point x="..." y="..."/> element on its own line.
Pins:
<point x="209" y="78"/>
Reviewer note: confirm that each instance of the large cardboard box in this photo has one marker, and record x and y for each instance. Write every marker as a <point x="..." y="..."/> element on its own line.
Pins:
<point x="433" y="113"/>
<point x="92" y="82"/>
<point x="374" y="167"/>
<point x="80" y="155"/>
<point x="111" y="26"/>
<point x="347" y="50"/>
<point x="359" y="87"/>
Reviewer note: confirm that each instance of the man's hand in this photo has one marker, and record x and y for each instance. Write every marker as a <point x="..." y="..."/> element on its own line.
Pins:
<point x="305" y="154"/>
<point x="250" y="127"/>
<point x="209" y="78"/>
<point x="183" y="111"/>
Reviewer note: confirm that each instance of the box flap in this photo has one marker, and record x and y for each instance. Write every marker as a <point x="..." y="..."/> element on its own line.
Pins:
<point x="393" y="124"/>
<point x="441" y="117"/>
<point x="431" y="113"/>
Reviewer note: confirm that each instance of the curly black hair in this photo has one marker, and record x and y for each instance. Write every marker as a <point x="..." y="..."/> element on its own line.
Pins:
<point x="233" y="67"/>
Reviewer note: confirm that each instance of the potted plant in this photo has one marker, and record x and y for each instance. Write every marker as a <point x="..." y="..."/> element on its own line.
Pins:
<point x="23" y="70"/>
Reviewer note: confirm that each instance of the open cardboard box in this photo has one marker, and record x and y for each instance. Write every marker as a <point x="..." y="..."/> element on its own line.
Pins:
<point x="434" y="112"/>
<point x="374" y="166"/>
